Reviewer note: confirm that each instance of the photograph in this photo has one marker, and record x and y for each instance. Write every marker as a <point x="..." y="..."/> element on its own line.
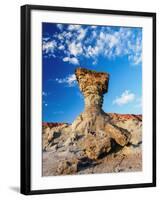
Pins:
<point x="88" y="99"/>
<point x="92" y="115"/>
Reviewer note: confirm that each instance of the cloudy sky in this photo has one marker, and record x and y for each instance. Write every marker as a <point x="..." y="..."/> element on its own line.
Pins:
<point x="116" y="50"/>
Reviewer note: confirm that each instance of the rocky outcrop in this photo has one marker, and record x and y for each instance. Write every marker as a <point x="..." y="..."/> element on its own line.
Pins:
<point x="94" y="137"/>
<point x="51" y="124"/>
<point x="123" y="117"/>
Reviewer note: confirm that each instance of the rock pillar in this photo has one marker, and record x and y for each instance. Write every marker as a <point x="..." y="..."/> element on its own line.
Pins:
<point x="93" y="86"/>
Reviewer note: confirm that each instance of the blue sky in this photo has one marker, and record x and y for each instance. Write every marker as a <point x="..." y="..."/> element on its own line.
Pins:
<point x="116" y="50"/>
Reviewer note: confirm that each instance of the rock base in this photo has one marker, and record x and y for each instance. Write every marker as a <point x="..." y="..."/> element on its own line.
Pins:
<point x="92" y="153"/>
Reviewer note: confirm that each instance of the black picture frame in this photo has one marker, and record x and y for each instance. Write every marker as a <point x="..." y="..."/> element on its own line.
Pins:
<point x="26" y="98"/>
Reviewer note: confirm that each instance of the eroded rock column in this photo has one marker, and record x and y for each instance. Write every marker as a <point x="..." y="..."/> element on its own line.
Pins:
<point x="93" y="86"/>
<point x="93" y="122"/>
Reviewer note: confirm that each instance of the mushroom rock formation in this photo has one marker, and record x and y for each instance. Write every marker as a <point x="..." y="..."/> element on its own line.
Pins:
<point x="93" y="124"/>
<point x="93" y="86"/>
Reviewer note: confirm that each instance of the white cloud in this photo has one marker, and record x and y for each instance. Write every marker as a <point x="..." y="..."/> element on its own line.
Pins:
<point x="126" y="97"/>
<point x="92" y="51"/>
<point x="98" y="41"/>
<point x="122" y="42"/>
<point x="75" y="49"/>
<point x="136" y="48"/>
<point x="45" y="103"/>
<point x="74" y="27"/>
<point x="113" y="40"/>
<point x="60" y="80"/>
<point x="135" y="59"/>
<point x="46" y="39"/>
<point x="60" y="36"/>
<point x="44" y="93"/>
<point x="61" y="47"/>
<point x="49" y="47"/>
<point x="70" y="80"/>
<point x="93" y="27"/>
<point x="94" y="34"/>
<point x="60" y="26"/>
<point x="72" y="60"/>
<point x="82" y="33"/>
<point x="63" y="36"/>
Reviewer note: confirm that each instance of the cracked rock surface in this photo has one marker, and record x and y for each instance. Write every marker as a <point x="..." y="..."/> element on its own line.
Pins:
<point x="96" y="142"/>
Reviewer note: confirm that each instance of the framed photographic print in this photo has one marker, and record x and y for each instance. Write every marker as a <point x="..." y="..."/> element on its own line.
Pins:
<point x="88" y="99"/>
